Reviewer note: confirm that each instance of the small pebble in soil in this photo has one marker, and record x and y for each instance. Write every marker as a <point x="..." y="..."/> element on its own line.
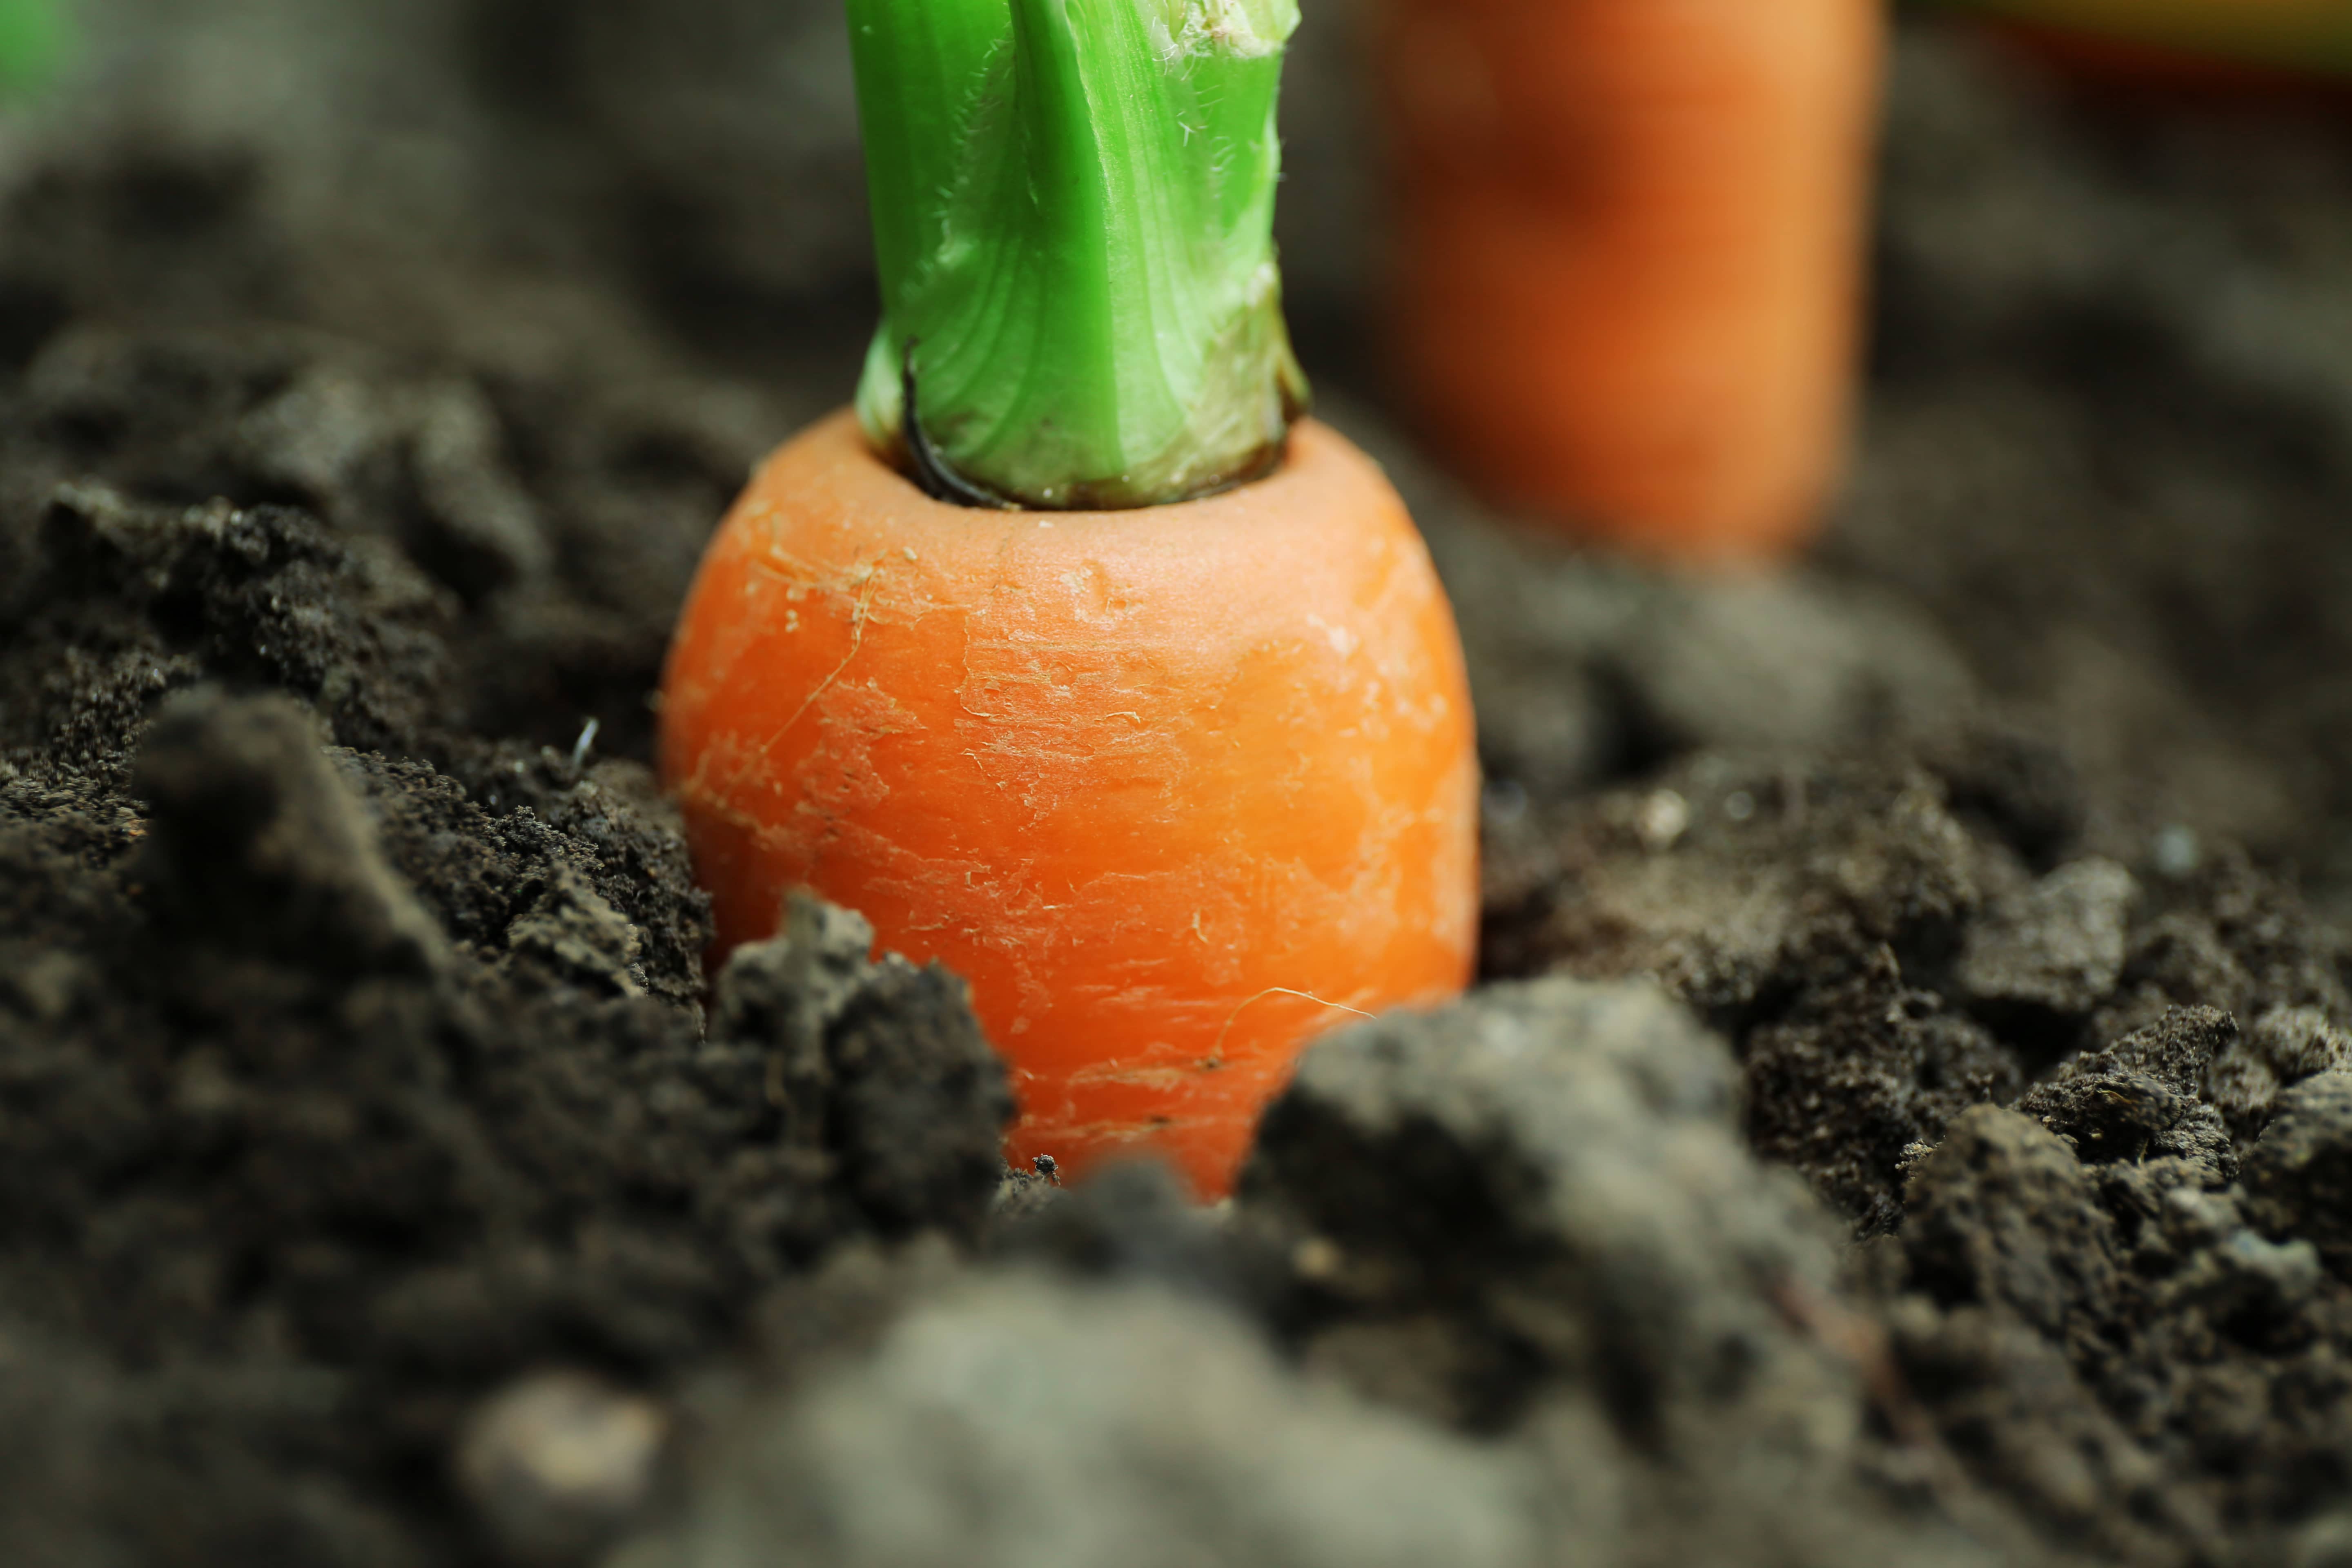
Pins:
<point x="2178" y="852"/>
<point x="560" y="1463"/>
<point x="1505" y="802"/>
<point x="1665" y="818"/>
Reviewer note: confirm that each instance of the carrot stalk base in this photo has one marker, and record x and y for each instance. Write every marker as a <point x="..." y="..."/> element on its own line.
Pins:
<point x="1074" y="219"/>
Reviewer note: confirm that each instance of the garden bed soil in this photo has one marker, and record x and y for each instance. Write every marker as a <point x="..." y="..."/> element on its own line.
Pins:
<point x="1905" y="1118"/>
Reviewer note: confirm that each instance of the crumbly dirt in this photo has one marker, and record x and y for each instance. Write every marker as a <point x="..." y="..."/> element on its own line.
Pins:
<point x="331" y="1103"/>
<point x="1905" y="1118"/>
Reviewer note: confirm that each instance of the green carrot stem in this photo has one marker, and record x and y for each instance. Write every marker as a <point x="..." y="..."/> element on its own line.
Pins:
<point x="32" y="43"/>
<point x="1074" y="220"/>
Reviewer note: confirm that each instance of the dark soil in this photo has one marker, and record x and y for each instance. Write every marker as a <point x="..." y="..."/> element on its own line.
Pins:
<point x="1909" y="1119"/>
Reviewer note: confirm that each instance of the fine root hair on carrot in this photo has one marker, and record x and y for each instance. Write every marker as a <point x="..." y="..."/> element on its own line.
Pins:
<point x="1216" y="1057"/>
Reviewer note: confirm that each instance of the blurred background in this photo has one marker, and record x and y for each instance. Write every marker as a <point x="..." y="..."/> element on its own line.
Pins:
<point x="2096" y="500"/>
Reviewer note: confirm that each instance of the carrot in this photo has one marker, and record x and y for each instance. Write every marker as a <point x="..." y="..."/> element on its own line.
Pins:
<point x="1629" y="254"/>
<point x="1175" y="787"/>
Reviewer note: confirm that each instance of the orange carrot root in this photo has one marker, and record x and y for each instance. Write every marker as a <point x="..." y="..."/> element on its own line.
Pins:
<point x="1630" y="255"/>
<point x="1175" y="789"/>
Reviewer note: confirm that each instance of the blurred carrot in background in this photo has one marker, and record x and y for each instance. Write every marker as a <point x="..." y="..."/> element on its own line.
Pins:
<point x="1630" y="255"/>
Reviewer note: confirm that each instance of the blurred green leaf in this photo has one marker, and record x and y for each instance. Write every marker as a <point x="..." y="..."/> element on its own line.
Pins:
<point x="32" y="43"/>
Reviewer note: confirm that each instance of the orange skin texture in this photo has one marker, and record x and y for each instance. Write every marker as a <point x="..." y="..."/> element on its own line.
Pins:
<point x="1174" y="790"/>
<point x="1630" y="255"/>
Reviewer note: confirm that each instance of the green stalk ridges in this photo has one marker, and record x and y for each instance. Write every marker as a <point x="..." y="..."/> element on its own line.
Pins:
<point x="1074" y="220"/>
<point x="32" y="45"/>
